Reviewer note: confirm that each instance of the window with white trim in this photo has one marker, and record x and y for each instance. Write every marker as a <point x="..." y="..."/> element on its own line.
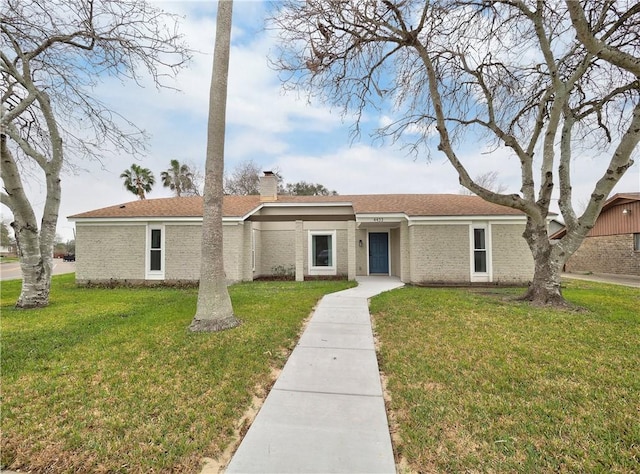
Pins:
<point x="155" y="253"/>
<point x="636" y="242"/>
<point x="479" y="250"/>
<point x="322" y="252"/>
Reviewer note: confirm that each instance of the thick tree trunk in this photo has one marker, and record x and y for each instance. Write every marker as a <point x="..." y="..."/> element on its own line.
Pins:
<point x="545" y="288"/>
<point x="36" y="267"/>
<point x="35" y="246"/>
<point x="214" y="311"/>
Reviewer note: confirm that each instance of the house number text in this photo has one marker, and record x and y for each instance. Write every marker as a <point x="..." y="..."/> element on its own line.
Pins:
<point x="378" y="219"/>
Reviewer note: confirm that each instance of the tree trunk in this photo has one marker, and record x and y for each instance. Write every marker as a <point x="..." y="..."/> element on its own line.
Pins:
<point x="545" y="288"/>
<point x="214" y="311"/>
<point x="35" y="247"/>
<point x="36" y="267"/>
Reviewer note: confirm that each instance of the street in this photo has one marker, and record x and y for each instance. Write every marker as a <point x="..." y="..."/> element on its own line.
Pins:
<point x="11" y="270"/>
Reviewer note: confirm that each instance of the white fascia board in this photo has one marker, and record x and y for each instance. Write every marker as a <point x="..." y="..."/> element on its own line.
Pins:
<point x="146" y="220"/>
<point x="306" y="204"/>
<point x="386" y="216"/>
<point x="466" y="219"/>
<point x="268" y="204"/>
<point x="251" y="212"/>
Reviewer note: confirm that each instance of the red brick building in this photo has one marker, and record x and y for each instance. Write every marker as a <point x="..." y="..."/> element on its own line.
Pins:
<point x="613" y="245"/>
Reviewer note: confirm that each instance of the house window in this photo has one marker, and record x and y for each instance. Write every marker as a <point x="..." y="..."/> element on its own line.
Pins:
<point x="636" y="242"/>
<point x="479" y="250"/>
<point x="156" y="250"/>
<point x="322" y="253"/>
<point x="155" y="253"/>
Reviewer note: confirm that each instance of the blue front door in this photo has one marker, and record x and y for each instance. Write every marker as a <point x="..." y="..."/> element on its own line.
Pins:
<point x="379" y="252"/>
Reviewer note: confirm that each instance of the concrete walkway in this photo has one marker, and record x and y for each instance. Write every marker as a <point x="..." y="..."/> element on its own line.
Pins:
<point x="326" y="412"/>
<point x="625" y="280"/>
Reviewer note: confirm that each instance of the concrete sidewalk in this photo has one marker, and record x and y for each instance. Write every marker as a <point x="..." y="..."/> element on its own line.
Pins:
<point x="326" y="411"/>
<point x="625" y="280"/>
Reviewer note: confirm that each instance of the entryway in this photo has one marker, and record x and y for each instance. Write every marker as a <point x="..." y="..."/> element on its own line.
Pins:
<point x="379" y="253"/>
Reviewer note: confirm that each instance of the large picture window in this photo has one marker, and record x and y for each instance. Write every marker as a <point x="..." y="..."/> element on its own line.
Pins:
<point x="322" y="253"/>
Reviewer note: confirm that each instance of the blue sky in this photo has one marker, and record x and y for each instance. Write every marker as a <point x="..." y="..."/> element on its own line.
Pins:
<point x="280" y="131"/>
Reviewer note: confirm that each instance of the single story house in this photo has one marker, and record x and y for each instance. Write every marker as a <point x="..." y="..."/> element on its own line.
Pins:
<point x="420" y="238"/>
<point x="613" y="245"/>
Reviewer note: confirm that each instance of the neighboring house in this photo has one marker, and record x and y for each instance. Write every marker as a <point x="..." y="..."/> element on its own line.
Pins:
<point x="420" y="238"/>
<point x="10" y="250"/>
<point x="613" y="245"/>
<point x="554" y="226"/>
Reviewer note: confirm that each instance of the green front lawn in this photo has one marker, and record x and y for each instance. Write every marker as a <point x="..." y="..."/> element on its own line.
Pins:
<point x="481" y="384"/>
<point x="110" y="380"/>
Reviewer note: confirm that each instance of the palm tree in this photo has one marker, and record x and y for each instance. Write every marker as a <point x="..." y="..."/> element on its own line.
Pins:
<point x="138" y="180"/>
<point x="178" y="178"/>
<point x="214" y="311"/>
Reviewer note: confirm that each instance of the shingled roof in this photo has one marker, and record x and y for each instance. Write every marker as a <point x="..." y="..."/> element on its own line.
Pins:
<point x="414" y="205"/>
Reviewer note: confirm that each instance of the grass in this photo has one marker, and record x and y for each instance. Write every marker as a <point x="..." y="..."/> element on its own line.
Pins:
<point x="482" y="384"/>
<point x="110" y="380"/>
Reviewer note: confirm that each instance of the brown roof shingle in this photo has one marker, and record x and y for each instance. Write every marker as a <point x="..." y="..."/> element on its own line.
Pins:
<point x="239" y="206"/>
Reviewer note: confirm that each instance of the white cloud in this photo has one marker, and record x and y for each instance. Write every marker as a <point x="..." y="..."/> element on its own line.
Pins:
<point x="362" y="169"/>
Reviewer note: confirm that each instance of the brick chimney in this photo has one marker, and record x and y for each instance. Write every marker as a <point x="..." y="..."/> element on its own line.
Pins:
<point x="268" y="187"/>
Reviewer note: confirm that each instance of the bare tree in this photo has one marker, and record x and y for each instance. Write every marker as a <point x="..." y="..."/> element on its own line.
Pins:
<point x="53" y="55"/>
<point x="488" y="180"/>
<point x="214" y="311"/>
<point x="243" y="180"/>
<point x="542" y="78"/>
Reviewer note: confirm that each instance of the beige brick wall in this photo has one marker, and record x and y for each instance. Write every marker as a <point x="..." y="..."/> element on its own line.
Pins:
<point x="258" y="249"/>
<point x="396" y="260"/>
<point x="439" y="253"/>
<point x="361" y="252"/>
<point x="342" y="249"/>
<point x="606" y="254"/>
<point x="511" y="258"/>
<point x="405" y="253"/>
<point x="278" y="248"/>
<point x="110" y="252"/>
<point x="233" y="242"/>
<point x="352" y="246"/>
<point x="182" y="252"/>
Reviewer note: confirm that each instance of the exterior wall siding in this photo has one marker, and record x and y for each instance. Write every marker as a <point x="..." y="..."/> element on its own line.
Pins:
<point x="606" y="254"/>
<point x="233" y="239"/>
<point x="512" y="260"/>
<point x="105" y="253"/>
<point x="182" y="252"/>
<point x="342" y="250"/>
<point x="361" y="252"/>
<point x="434" y="253"/>
<point x="396" y="263"/>
<point x="183" y="247"/>
<point x="278" y="249"/>
<point x="612" y="221"/>
<point x="258" y="251"/>
<point x="439" y="253"/>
